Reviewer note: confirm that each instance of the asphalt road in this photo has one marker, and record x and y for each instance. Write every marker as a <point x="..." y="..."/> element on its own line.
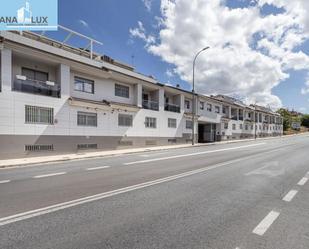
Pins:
<point x="243" y="195"/>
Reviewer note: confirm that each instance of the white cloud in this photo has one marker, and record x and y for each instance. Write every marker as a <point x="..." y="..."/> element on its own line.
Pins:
<point x="250" y="53"/>
<point x="140" y="32"/>
<point x="169" y="73"/>
<point x="305" y="89"/>
<point x="83" y="23"/>
<point x="147" y="4"/>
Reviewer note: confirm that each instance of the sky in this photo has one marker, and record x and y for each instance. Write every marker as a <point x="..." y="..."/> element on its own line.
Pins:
<point x="259" y="49"/>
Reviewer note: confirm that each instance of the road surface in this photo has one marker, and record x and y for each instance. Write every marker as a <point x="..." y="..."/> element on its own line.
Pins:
<point x="245" y="195"/>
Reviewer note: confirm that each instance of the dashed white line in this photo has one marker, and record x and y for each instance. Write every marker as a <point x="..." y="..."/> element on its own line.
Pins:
<point x="192" y="154"/>
<point x="302" y="181"/>
<point x="100" y="167"/>
<point x="48" y="175"/>
<point x="263" y="226"/>
<point x="290" y="195"/>
<point x="64" y="205"/>
<point x="5" y="181"/>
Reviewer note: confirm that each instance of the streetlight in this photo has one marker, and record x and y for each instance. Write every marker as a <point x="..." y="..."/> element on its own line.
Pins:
<point x="255" y="118"/>
<point x="193" y="93"/>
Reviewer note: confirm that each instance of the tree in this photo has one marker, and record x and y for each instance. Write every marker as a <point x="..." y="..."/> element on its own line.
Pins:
<point x="287" y="118"/>
<point x="305" y="120"/>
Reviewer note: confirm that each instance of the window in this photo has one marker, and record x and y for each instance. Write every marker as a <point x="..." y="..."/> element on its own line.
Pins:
<point x="150" y="122"/>
<point x="217" y="109"/>
<point x="209" y="107"/>
<point x="224" y="109"/>
<point x="125" y="120"/>
<point x="39" y="115"/>
<point x="87" y="146"/>
<point x="240" y="126"/>
<point x="234" y="126"/>
<point x="188" y="124"/>
<point x="122" y="91"/>
<point x="172" y="123"/>
<point x="125" y="143"/>
<point x="226" y="126"/>
<point x="34" y="74"/>
<point x="202" y="104"/>
<point x="39" y="147"/>
<point x="83" y="85"/>
<point x="187" y="104"/>
<point x="86" y="119"/>
<point x="246" y="127"/>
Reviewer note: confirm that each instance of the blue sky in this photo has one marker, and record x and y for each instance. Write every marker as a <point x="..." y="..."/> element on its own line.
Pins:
<point x="110" y="21"/>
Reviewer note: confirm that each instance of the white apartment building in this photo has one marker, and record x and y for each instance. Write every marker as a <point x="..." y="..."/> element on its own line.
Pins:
<point x="57" y="98"/>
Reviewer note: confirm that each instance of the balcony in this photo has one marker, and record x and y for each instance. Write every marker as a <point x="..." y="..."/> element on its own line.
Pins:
<point x="234" y="117"/>
<point x="151" y="105"/>
<point x="248" y="120"/>
<point x="172" y="108"/>
<point x="37" y="87"/>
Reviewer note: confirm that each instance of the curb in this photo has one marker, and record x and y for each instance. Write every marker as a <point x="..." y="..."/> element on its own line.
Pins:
<point x="66" y="158"/>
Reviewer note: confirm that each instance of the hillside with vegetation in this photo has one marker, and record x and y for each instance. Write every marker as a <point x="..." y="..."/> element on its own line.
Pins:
<point x="290" y="117"/>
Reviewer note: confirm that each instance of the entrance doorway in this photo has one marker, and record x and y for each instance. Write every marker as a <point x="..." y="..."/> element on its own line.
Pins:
<point x="206" y="133"/>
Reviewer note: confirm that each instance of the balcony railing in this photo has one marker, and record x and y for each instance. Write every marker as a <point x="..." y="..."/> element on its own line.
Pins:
<point x="225" y="115"/>
<point x="36" y="87"/>
<point x="234" y="117"/>
<point x="248" y="120"/>
<point x="152" y="105"/>
<point x="172" y="108"/>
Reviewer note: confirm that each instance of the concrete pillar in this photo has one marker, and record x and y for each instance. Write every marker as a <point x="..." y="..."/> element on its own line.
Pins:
<point x="6" y="69"/>
<point x="64" y="78"/>
<point x="182" y="103"/>
<point x="138" y="93"/>
<point x="161" y="99"/>
<point x="229" y="112"/>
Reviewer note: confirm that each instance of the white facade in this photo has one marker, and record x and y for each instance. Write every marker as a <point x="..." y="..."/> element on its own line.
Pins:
<point x="58" y="74"/>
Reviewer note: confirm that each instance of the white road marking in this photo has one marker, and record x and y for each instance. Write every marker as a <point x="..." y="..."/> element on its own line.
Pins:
<point x="263" y="226"/>
<point x="100" y="167"/>
<point x="5" y="181"/>
<point x="193" y="154"/>
<point x="64" y="205"/>
<point x="48" y="175"/>
<point x="290" y="195"/>
<point x="302" y="181"/>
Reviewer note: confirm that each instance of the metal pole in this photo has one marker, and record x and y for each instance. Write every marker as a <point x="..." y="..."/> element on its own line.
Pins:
<point x="193" y="94"/>
<point x="255" y="125"/>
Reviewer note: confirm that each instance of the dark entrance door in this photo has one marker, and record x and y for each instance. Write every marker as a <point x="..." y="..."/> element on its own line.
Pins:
<point x="206" y="133"/>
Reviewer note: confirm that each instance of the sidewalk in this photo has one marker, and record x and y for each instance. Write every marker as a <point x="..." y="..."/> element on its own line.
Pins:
<point x="97" y="154"/>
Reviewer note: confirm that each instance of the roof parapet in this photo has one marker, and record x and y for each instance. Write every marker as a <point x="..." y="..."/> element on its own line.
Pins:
<point x="86" y="51"/>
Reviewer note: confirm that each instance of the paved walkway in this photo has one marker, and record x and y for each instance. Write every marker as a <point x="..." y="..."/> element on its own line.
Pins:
<point x="66" y="157"/>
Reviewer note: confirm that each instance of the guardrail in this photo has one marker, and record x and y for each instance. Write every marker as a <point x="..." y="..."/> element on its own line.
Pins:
<point x="151" y="105"/>
<point x="36" y="87"/>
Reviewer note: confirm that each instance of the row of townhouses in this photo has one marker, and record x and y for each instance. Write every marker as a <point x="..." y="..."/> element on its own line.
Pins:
<point x="57" y="98"/>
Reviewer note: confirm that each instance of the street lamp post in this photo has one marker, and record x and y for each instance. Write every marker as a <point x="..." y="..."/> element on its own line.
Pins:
<point x="193" y="93"/>
<point x="255" y="125"/>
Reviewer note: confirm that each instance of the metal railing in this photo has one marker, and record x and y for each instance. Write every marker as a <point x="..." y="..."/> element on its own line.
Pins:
<point x="152" y="105"/>
<point x="234" y="117"/>
<point x="36" y="87"/>
<point x="172" y="108"/>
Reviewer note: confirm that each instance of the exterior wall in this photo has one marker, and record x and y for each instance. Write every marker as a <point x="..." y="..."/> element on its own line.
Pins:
<point x="103" y="89"/>
<point x="65" y="134"/>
